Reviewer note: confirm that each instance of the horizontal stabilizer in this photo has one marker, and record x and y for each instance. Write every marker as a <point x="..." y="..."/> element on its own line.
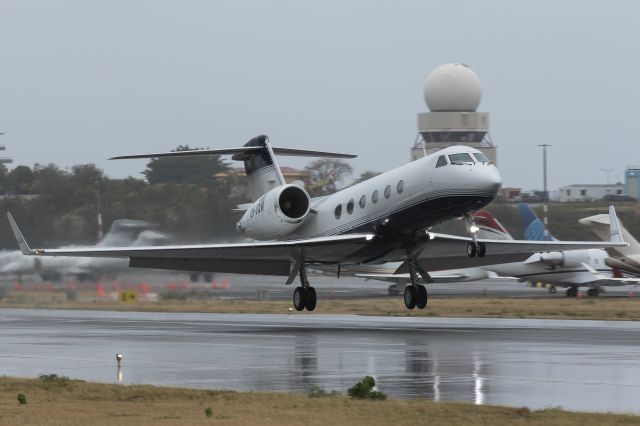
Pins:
<point x="239" y="152"/>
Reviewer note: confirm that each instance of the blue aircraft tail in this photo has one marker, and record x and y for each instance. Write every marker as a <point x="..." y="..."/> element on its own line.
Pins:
<point x="533" y="226"/>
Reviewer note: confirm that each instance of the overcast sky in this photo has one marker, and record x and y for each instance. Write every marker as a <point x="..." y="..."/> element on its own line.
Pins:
<point x="82" y="80"/>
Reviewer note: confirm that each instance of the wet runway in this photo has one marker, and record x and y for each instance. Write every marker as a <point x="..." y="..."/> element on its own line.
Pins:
<point x="583" y="365"/>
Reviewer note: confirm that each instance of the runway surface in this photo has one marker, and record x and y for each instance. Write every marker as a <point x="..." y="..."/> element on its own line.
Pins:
<point x="582" y="365"/>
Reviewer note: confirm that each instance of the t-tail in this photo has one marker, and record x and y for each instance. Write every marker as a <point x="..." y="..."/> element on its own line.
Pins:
<point x="533" y="226"/>
<point x="259" y="157"/>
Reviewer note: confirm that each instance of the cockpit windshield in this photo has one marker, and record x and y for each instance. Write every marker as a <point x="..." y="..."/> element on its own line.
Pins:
<point x="461" y="158"/>
<point x="481" y="157"/>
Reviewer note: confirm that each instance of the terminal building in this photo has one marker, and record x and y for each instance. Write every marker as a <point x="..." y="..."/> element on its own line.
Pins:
<point x="452" y="93"/>
<point x="589" y="192"/>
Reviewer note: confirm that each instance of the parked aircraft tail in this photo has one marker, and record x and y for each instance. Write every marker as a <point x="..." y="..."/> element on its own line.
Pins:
<point x="533" y="226"/>
<point x="490" y="228"/>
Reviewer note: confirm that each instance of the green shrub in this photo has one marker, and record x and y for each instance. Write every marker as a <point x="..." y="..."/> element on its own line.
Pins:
<point x="208" y="412"/>
<point x="364" y="390"/>
<point x="22" y="399"/>
<point x="53" y="381"/>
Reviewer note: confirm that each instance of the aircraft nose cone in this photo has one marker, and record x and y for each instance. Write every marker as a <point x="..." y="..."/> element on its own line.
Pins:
<point x="491" y="180"/>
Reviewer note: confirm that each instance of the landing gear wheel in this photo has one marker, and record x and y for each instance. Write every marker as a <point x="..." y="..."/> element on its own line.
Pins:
<point x="572" y="292"/>
<point x="593" y="292"/>
<point x="471" y="249"/>
<point x="410" y="297"/>
<point x="552" y="289"/>
<point x="311" y="297"/>
<point x="482" y="250"/>
<point x="421" y="297"/>
<point x="299" y="298"/>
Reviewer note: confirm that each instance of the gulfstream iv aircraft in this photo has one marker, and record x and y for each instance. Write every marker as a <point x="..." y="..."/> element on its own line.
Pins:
<point x="382" y="219"/>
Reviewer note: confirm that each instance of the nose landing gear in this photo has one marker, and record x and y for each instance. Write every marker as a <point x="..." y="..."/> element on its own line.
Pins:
<point x="415" y="294"/>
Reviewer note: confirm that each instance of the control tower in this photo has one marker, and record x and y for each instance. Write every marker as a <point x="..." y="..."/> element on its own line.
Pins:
<point x="452" y="93"/>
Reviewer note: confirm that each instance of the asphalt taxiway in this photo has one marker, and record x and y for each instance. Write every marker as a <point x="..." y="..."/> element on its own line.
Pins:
<point x="582" y="365"/>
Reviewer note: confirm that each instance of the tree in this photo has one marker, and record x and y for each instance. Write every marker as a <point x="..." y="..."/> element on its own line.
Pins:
<point x="193" y="169"/>
<point x="366" y="175"/>
<point x="324" y="174"/>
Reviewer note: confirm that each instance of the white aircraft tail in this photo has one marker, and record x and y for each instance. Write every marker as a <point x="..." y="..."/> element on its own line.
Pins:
<point x="601" y="224"/>
<point x="263" y="172"/>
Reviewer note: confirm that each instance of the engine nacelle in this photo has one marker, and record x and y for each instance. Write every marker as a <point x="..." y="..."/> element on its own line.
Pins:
<point x="276" y="214"/>
<point x="565" y="259"/>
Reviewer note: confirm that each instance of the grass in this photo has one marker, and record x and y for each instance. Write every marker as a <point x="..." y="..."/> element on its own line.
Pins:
<point x="83" y="403"/>
<point x="479" y="307"/>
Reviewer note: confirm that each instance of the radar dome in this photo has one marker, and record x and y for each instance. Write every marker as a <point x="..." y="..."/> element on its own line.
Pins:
<point x="452" y="87"/>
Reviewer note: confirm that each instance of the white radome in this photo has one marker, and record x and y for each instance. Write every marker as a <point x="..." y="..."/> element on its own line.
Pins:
<point x="452" y="87"/>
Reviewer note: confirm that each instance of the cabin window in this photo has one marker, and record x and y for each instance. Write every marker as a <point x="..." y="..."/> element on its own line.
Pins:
<point x="363" y="201"/>
<point x="460" y="158"/>
<point x="350" y="206"/>
<point x="387" y="191"/>
<point x="442" y="161"/>
<point x="481" y="157"/>
<point x="338" y="211"/>
<point x="374" y="196"/>
<point x="400" y="187"/>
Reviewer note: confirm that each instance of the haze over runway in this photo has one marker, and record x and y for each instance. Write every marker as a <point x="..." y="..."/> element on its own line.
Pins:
<point x="82" y="81"/>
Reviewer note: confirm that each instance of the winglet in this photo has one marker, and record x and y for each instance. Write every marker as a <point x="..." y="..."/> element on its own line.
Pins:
<point x="22" y="243"/>
<point x="614" y="227"/>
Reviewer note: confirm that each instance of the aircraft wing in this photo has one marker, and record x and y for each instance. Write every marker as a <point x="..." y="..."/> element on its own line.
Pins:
<point x="436" y="278"/>
<point x="265" y="258"/>
<point x="602" y="280"/>
<point x="443" y="251"/>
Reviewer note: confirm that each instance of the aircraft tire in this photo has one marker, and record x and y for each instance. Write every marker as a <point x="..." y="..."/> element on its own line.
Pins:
<point x="593" y="292"/>
<point x="552" y="289"/>
<point x="482" y="250"/>
<point x="471" y="250"/>
<point x="311" y="299"/>
<point x="421" y="297"/>
<point x="572" y="292"/>
<point x="410" y="297"/>
<point x="299" y="298"/>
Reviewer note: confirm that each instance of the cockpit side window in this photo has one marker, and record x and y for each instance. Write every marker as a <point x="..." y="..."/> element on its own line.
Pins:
<point x="481" y="157"/>
<point x="461" y="158"/>
<point x="442" y="161"/>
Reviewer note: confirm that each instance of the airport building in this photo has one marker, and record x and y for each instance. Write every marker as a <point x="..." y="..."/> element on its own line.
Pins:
<point x="589" y="192"/>
<point x="452" y="93"/>
<point x="632" y="181"/>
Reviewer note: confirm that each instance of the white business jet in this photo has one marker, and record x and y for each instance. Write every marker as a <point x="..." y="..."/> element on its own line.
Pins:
<point x="382" y="219"/>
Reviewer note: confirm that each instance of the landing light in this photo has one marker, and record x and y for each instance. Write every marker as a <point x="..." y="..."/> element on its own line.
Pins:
<point x="473" y="229"/>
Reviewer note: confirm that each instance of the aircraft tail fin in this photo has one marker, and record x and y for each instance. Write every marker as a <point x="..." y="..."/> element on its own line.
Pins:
<point x="261" y="168"/>
<point x="490" y="228"/>
<point x="533" y="226"/>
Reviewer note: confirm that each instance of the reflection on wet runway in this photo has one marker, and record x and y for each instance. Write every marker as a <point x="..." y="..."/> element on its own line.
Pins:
<point x="587" y="365"/>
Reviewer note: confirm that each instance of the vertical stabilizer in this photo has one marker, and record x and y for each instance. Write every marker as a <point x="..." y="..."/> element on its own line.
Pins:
<point x="263" y="173"/>
<point x="533" y="226"/>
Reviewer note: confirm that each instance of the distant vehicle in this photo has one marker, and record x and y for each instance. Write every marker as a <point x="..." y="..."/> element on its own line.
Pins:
<point x="382" y="219"/>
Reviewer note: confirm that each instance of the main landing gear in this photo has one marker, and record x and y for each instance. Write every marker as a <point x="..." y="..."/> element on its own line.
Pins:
<point x="572" y="291"/>
<point x="593" y="292"/>
<point x="415" y="294"/>
<point x="304" y="296"/>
